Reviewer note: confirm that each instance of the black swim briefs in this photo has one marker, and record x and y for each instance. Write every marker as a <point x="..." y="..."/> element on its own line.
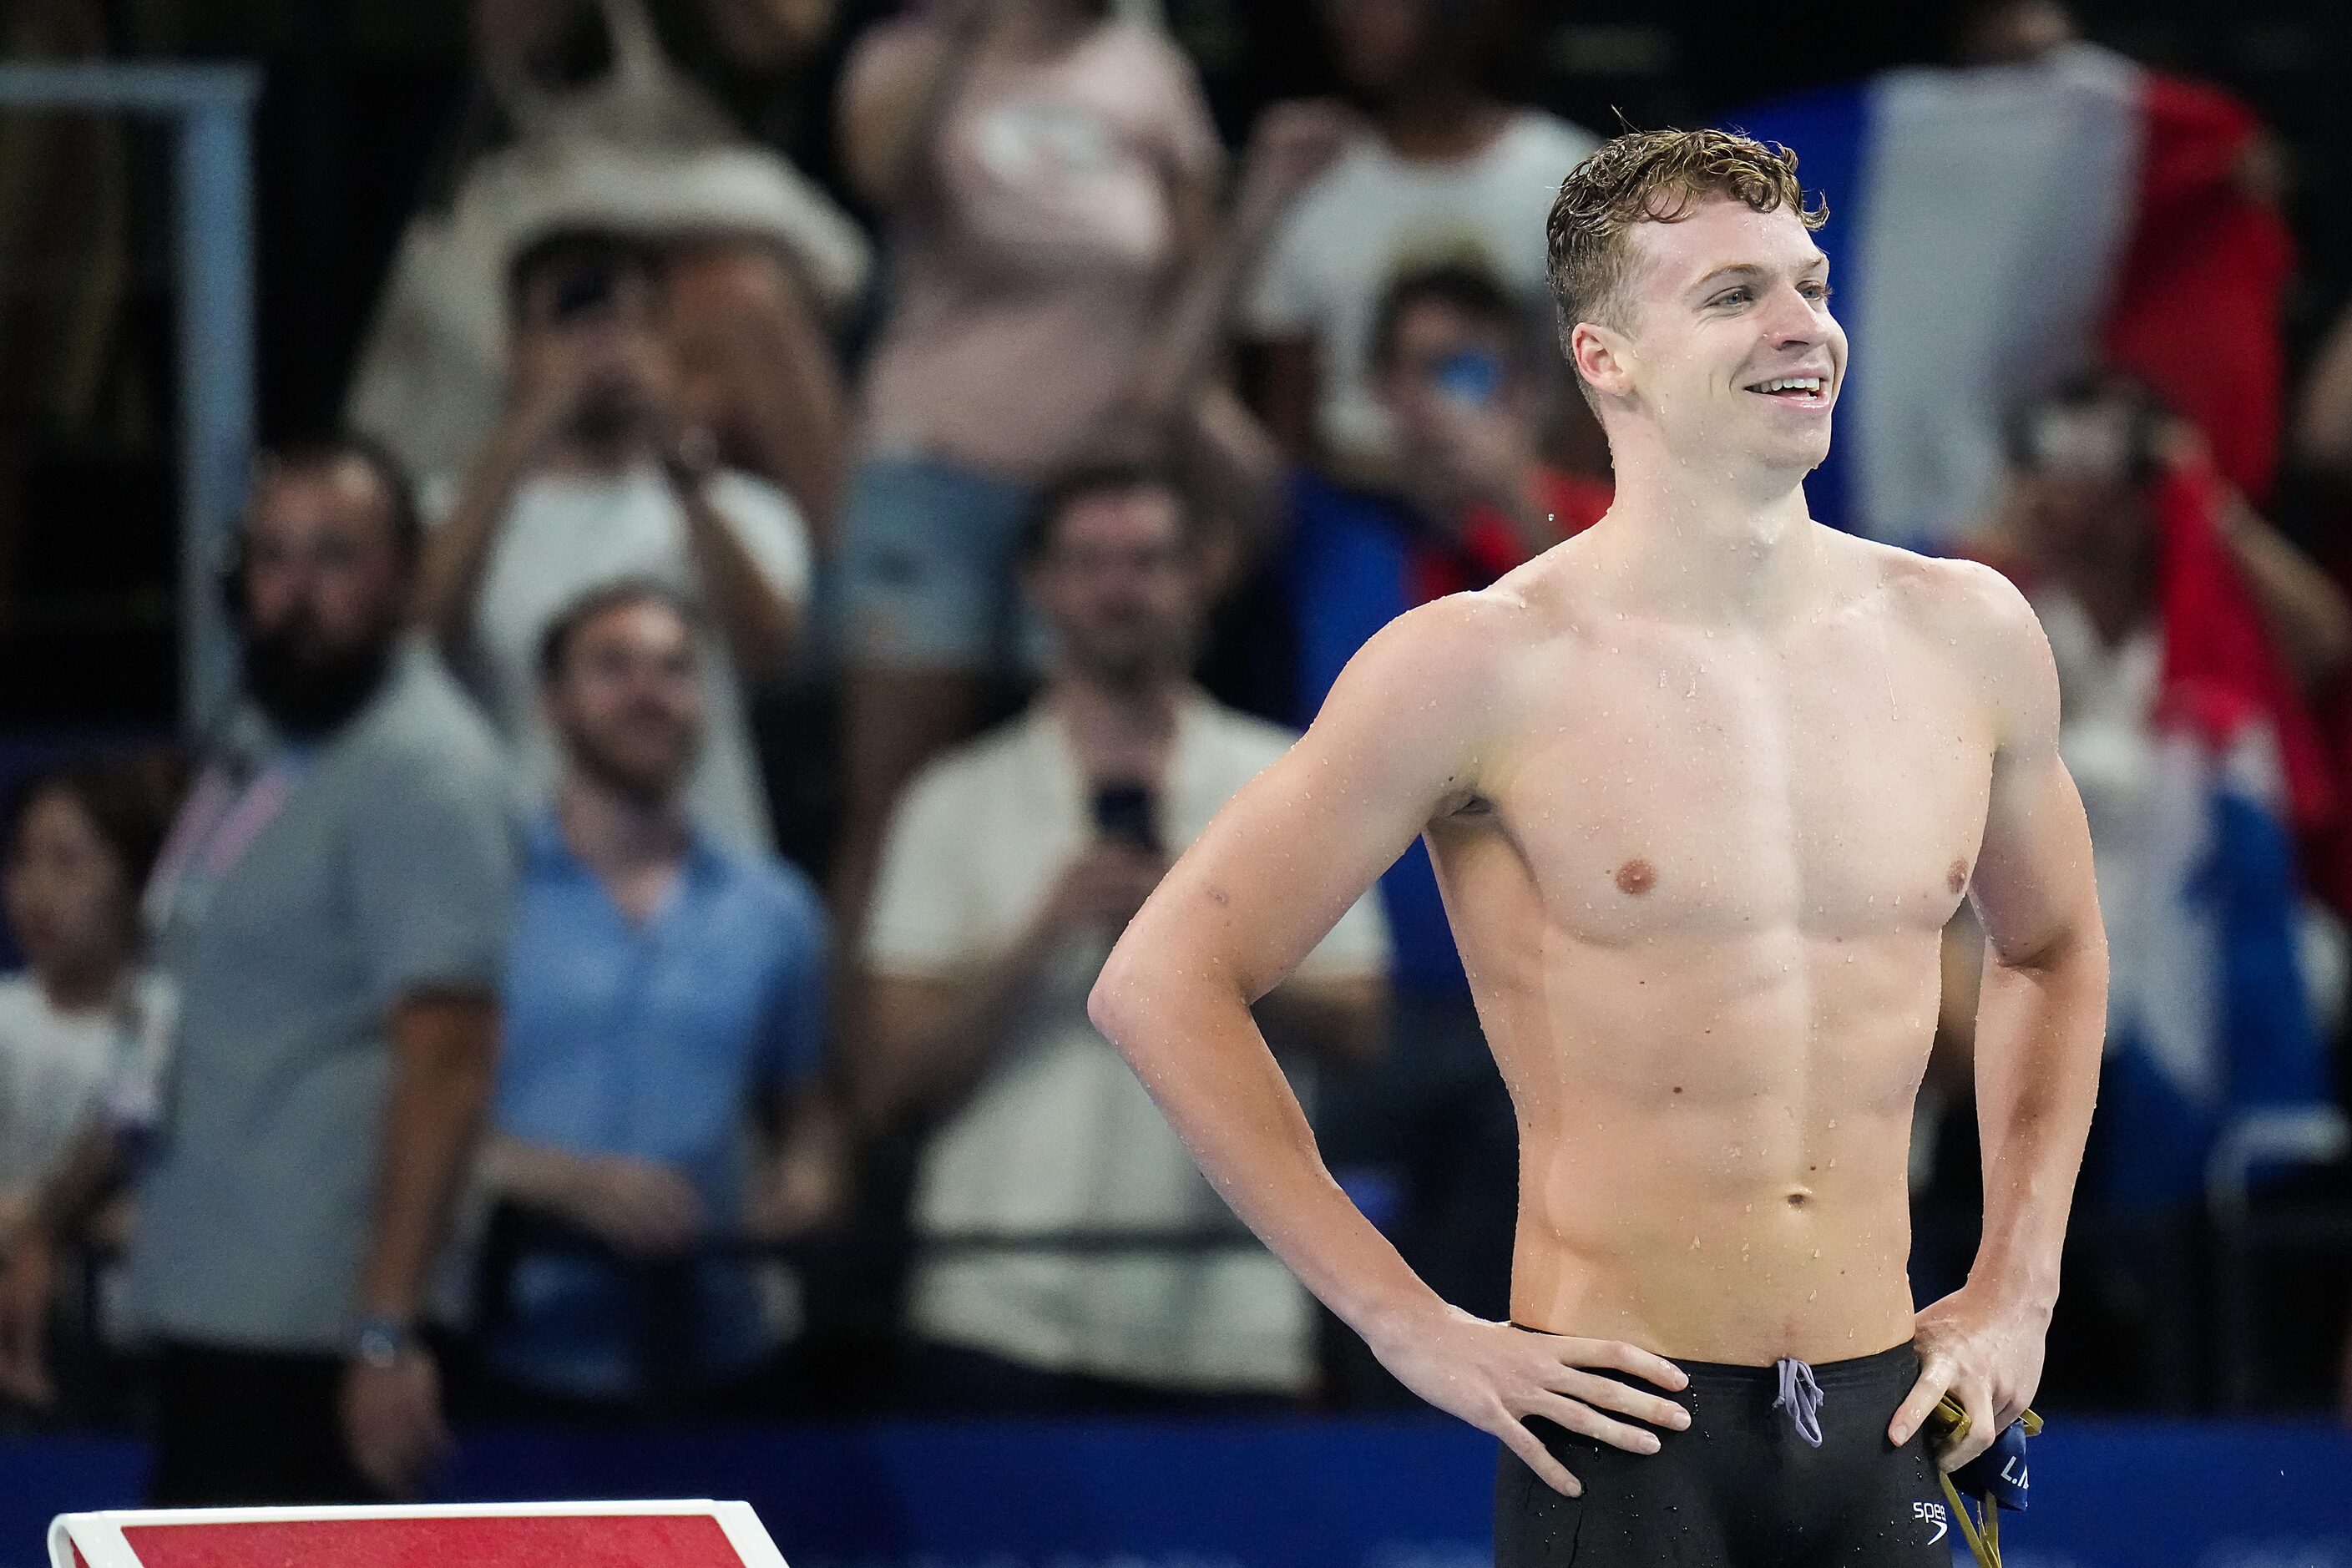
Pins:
<point x="1745" y="1486"/>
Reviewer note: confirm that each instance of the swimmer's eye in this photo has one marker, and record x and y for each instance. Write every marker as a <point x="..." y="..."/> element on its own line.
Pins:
<point x="1815" y="290"/>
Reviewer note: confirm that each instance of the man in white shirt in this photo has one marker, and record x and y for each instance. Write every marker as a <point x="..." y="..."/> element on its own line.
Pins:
<point x="590" y="480"/>
<point x="1446" y="172"/>
<point x="1011" y="865"/>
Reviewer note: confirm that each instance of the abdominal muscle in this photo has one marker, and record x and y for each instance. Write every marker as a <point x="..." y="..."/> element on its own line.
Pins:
<point x="1715" y="1137"/>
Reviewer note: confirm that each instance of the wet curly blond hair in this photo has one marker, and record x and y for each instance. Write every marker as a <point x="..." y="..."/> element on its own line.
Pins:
<point x="1652" y="176"/>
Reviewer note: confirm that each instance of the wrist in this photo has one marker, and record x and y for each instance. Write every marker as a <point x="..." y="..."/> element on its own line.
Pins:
<point x="690" y="461"/>
<point x="2029" y="1299"/>
<point x="1393" y="1319"/>
<point x="380" y="1341"/>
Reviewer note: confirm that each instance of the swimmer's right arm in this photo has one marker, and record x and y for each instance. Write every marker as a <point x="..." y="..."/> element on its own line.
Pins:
<point x="1403" y="738"/>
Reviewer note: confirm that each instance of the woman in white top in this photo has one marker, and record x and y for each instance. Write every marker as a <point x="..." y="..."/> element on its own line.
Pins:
<point x="80" y="841"/>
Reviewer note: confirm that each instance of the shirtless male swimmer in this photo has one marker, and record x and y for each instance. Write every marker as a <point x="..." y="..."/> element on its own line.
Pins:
<point x="1703" y="786"/>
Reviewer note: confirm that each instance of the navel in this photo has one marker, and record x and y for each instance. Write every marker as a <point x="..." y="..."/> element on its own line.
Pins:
<point x="1636" y="876"/>
<point x="1957" y="879"/>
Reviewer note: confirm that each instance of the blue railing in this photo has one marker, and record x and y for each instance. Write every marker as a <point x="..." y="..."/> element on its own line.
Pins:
<point x="208" y="110"/>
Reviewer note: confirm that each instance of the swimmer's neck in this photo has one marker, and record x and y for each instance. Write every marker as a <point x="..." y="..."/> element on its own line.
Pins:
<point x="1680" y="540"/>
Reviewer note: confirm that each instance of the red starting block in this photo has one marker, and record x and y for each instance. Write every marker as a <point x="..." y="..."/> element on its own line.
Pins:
<point x="462" y="1535"/>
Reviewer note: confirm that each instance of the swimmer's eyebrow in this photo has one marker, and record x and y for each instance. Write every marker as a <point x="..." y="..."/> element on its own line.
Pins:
<point x="1745" y="270"/>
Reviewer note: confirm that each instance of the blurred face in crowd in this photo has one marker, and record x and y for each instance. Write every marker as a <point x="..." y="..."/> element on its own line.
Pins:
<point x="69" y="898"/>
<point x="2014" y="32"/>
<point x="1121" y="585"/>
<point x="1378" y="42"/>
<point x="325" y="589"/>
<point x="1439" y="358"/>
<point x="627" y="698"/>
<point x="1726" y="342"/>
<point x="590" y="331"/>
<point x="2076" y="499"/>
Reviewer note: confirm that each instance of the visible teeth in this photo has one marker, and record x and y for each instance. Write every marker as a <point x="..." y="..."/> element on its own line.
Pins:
<point x="1793" y="384"/>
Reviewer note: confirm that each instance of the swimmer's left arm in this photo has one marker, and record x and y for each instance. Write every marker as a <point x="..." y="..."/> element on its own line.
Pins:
<point x="2040" y="1025"/>
<point x="1404" y="738"/>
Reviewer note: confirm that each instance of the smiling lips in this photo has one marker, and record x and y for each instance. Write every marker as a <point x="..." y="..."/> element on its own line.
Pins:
<point x="1801" y="389"/>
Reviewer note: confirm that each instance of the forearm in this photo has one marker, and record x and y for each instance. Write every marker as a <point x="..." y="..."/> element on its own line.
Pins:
<point x="533" y="1176"/>
<point x="444" y="1054"/>
<point x="2040" y="1030"/>
<point x="2303" y="607"/>
<point x="889" y="144"/>
<point x="1184" y="347"/>
<point x="932" y="1041"/>
<point x="757" y="621"/>
<point x="796" y="419"/>
<point x="1192" y="1040"/>
<point x="84" y="1179"/>
<point x="2325" y="430"/>
<point x="458" y="553"/>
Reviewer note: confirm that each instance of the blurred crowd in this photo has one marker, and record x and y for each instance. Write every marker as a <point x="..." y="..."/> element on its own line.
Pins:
<point x="445" y="1036"/>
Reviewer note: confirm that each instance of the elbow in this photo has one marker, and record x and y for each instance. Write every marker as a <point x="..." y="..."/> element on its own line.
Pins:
<point x="1128" y="993"/>
<point x="2071" y="962"/>
<point x="2330" y="650"/>
<point x="450" y="1041"/>
<point x="1111" y="1005"/>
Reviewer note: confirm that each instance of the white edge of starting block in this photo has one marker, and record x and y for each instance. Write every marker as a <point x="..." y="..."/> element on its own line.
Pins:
<point x="99" y="1536"/>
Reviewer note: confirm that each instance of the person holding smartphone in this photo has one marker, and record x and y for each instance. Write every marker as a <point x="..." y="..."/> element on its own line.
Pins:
<point x="595" y="477"/>
<point x="1011" y="865"/>
<point x="1454" y="368"/>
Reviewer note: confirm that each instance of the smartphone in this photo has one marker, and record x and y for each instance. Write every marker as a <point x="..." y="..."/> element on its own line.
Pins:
<point x="1125" y="812"/>
<point x="584" y="292"/>
<point x="1473" y="377"/>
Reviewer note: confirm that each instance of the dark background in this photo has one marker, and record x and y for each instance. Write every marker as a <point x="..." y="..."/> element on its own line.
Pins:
<point x="366" y="112"/>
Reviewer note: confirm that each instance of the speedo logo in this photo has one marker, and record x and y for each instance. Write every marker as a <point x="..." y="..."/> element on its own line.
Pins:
<point x="1932" y="1513"/>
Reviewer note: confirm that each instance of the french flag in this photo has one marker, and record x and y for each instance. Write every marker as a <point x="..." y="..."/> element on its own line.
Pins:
<point x="2217" y="1062"/>
<point x="1994" y="230"/>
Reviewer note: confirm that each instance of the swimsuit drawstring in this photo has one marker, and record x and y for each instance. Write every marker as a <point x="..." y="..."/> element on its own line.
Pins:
<point x="1800" y="1396"/>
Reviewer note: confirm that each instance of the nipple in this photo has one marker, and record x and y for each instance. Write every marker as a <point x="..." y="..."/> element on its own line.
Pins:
<point x="1636" y="877"/>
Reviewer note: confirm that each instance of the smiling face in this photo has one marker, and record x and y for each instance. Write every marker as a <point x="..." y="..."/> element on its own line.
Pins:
<point x="626" y="697"/>
<point x="1724" y="343"/>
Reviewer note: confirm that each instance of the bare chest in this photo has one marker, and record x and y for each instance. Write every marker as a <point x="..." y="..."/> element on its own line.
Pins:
<point x="1689" y="786"/>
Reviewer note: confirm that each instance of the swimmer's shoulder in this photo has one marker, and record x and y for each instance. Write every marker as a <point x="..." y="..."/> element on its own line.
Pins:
<point x="1454" y="662"/>
<point x="1950" y="596"/>
<point x="1975" y="615"/>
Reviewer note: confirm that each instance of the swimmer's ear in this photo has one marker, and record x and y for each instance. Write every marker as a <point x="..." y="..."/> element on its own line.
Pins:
<point x="1601" y="357"/>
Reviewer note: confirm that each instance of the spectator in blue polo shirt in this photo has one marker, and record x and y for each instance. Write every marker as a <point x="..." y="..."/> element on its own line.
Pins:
<point x="664" y="997"/>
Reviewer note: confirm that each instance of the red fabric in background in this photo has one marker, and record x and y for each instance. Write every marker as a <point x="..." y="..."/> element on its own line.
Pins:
<point x="2197" y="294"/>
<point x="1488" y="545"/>
<point x="524" y="1541"/>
